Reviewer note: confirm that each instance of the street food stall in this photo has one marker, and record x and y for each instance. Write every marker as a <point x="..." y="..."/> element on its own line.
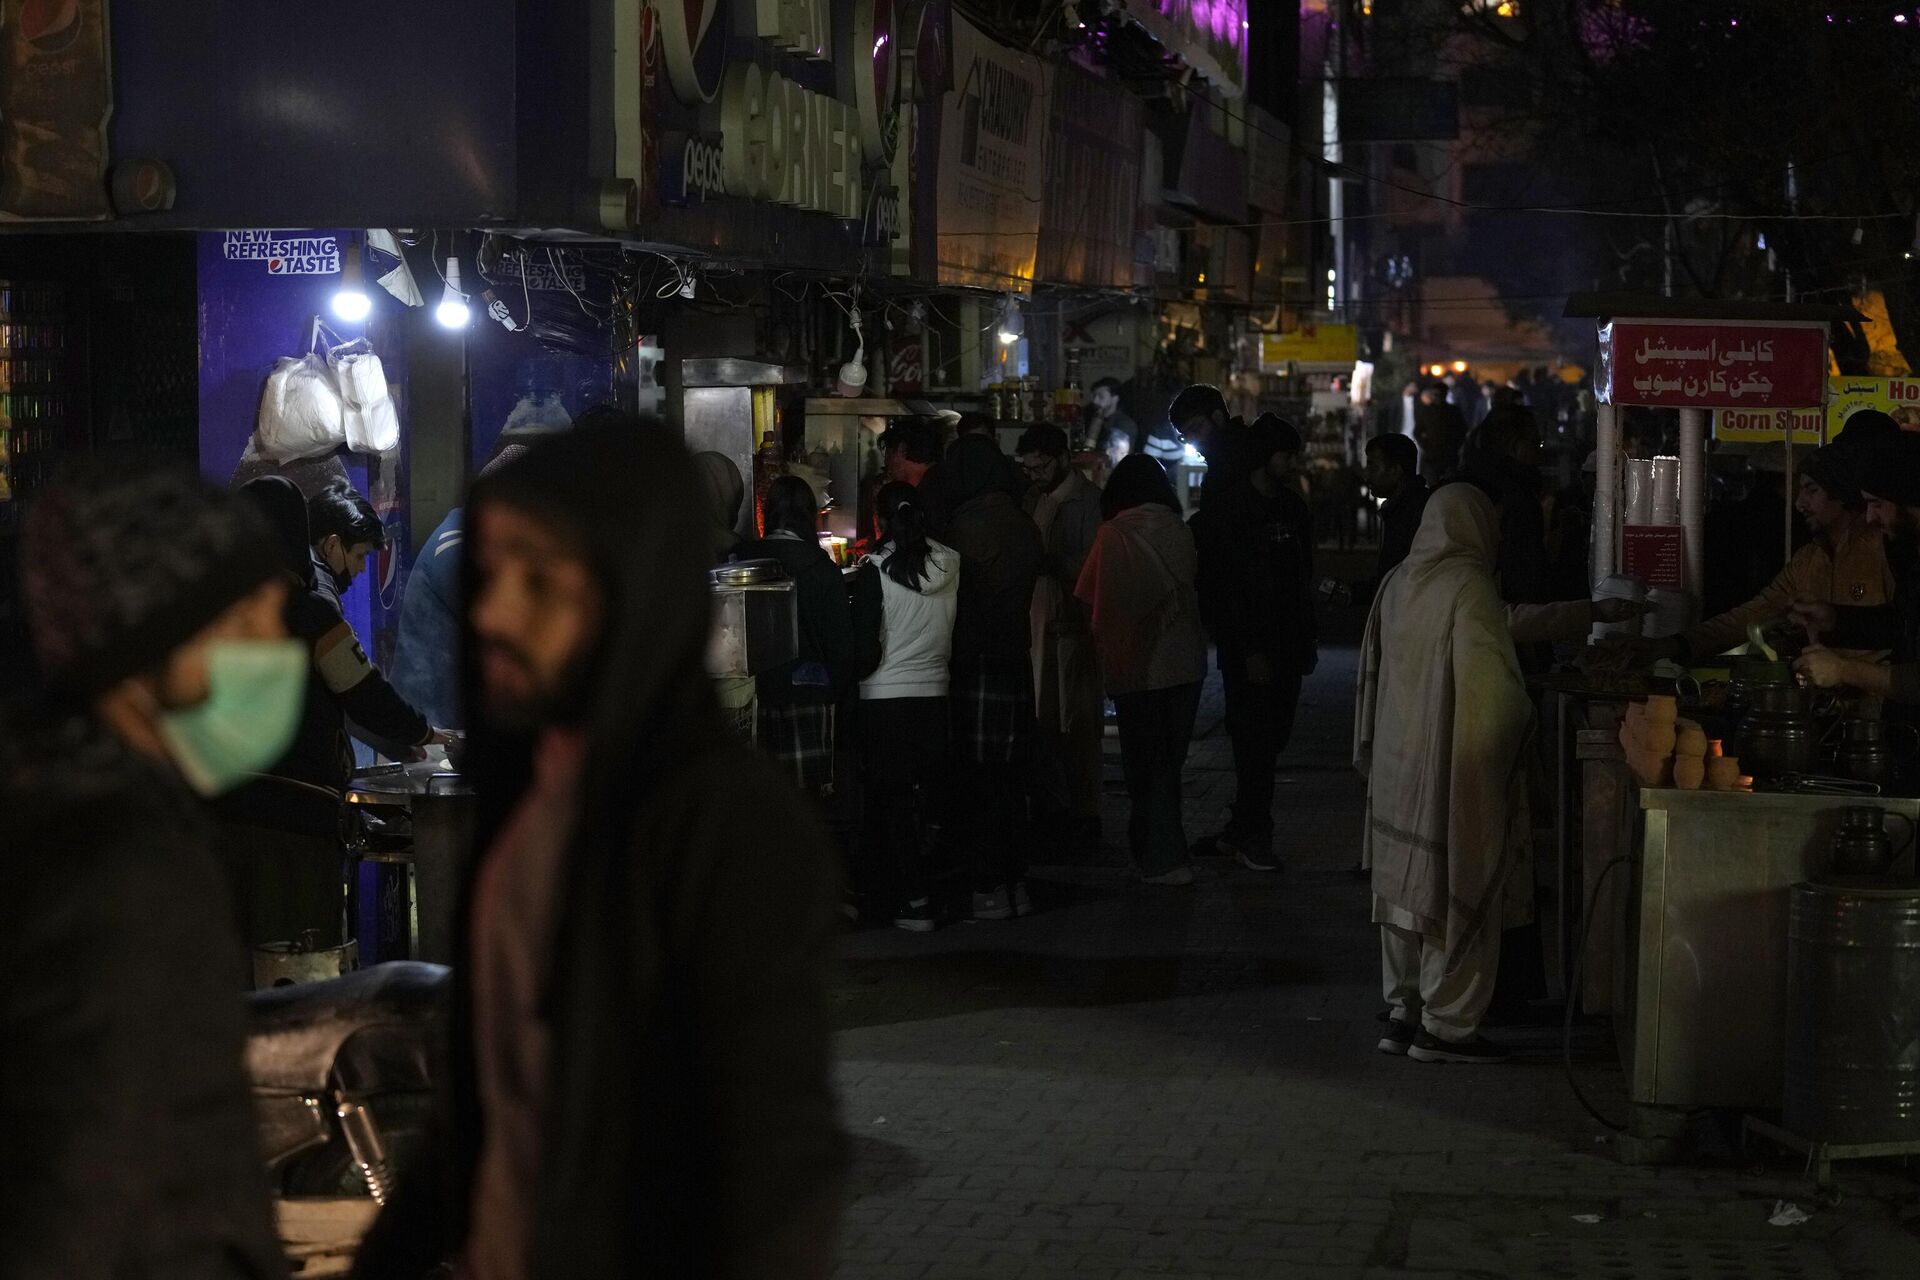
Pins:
<point x="1732" y="827"/>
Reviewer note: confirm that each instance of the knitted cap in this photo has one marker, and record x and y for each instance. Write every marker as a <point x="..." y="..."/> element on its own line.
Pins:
<point x="1890" y="468"/>
<point x="1833" y="469"/>
<point x="118" y="570"/>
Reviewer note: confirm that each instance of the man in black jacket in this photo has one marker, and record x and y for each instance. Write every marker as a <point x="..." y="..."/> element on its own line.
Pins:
<point x="282" y="840"/>
<point x="990" y="694"/>
<point x="1255" y="540"/>
<point x="641" y="1059"/>
<point x="131" y="1148"/>
<point x="1393" y="474"/>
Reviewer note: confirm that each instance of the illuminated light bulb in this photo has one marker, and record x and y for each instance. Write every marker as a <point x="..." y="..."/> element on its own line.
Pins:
<point x="1012" y="324"/>
<point x="350" y="302"/>
<point x="453" y="312"/>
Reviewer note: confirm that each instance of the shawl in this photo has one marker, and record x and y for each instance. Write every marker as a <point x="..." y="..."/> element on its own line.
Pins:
<point x="1441" y="725"/>
<point x="1138" y="581"/>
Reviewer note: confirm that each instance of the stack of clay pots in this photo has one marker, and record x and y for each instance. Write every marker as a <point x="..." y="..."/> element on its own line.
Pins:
<point x="1664" y="750"/>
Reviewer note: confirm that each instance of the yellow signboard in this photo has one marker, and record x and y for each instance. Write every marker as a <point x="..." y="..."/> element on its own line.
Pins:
<point x="1310" y="344"/>
<point x="1759" y="426"/>
<point x="1899" y="397"/>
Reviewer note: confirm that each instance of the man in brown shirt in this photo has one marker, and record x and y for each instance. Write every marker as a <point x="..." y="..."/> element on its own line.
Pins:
<point x="641" y="1082"/>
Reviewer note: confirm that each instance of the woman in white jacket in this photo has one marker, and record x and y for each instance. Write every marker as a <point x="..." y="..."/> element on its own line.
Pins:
<point x="904" y="701"/>
<point x="1146" y="624"/>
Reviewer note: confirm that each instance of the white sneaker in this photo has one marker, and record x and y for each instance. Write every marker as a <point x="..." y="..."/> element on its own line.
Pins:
<point x="1177" y="876"/>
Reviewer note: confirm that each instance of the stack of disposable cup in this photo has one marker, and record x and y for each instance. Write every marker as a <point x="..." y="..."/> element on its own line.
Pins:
<point x="1639" y="478"/>
<point x="1666" y="490"/>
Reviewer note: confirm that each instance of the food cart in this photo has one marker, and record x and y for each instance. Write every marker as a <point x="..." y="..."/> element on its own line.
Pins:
<point x="1675" y="914"/>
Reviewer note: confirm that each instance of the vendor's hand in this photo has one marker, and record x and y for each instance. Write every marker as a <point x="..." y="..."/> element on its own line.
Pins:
<point x="1814" y="615"/>
<point x="1616" y="611"/>
<point x="1259" y="670"/>
<point x="1821" y="667"/>
<point x="439" y="738"/>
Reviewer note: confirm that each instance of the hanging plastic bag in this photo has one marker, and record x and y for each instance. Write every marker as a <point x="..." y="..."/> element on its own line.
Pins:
<point x="371" y="419"/>
<point x="301" y="415"/>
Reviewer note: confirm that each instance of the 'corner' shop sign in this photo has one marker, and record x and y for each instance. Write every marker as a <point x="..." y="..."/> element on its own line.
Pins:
<point x="776" y="139"/>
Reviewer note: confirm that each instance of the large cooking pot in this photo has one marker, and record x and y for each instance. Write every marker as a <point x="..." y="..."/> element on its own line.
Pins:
<point x="416" y="828"/>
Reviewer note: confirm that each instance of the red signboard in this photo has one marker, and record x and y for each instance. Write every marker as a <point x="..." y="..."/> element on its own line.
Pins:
<point x="1686" y="364"/>
<point x="1654" y="553"/>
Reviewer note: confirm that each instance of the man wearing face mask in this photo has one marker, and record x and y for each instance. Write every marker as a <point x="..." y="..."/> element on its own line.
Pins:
<point x="155" y="610"/>
<point x="282" y="837"/>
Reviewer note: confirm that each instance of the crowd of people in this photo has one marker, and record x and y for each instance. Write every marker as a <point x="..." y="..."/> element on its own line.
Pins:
<point x="640" y="1040"/>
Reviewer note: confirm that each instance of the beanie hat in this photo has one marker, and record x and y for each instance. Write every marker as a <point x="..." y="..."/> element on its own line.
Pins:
<point x="1890" y="468"/>
<point x="1274" y="434"/>
<point x="118" y="570"/>
<point x="1834" y="470"/>
<point x="1863" y="427"/>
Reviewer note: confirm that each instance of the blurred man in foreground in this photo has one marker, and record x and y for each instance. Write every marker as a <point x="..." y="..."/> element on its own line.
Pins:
<point x="642" y="1083"/>
<point x="155" y="606"/>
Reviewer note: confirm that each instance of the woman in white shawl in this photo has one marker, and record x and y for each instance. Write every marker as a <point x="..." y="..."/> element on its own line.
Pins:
<point x="1138" y="581"/>
<point x="1440" y="730"/>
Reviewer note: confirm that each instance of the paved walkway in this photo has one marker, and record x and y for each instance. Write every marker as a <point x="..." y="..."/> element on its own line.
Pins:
<point x="1182" y="1082"/>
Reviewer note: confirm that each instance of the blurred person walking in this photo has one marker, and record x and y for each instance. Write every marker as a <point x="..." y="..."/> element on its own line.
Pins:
<point x="641" y="1049"/>
<point x="155" y="606"/>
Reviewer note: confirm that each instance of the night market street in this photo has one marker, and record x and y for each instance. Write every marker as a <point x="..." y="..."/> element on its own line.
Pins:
<point x="1183" y="1082"/>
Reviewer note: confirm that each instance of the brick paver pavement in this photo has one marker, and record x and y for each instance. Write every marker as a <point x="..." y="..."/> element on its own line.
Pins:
<point x="1182" y="1082"/>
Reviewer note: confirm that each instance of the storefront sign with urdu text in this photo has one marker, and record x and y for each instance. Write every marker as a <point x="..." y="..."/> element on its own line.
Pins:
<point x="1899" y="398"/>
<point x="1709" y="364"/>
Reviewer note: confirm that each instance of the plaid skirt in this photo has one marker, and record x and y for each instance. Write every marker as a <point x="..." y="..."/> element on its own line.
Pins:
<point x="799" y="737"/>
<point x="991" y="709"/>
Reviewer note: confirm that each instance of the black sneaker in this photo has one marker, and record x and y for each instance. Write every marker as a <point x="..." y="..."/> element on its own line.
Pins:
<point x="1397" y="1037"/>
<point x="1428" y="1047"/>
<point x="917" y="916"/>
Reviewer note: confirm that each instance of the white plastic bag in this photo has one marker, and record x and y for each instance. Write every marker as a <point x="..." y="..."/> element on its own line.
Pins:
<point x="372" y="421"/>
<point x="300" y="411"/>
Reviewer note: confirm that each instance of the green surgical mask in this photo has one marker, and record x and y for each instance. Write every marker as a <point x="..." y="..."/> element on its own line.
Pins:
<point x="256" y="692"/>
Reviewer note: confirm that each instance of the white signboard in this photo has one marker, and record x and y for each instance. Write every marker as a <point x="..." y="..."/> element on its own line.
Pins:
<point x="993" y="163"/>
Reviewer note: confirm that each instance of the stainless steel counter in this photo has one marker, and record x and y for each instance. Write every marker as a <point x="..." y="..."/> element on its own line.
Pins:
<point x="1701" y="983"/>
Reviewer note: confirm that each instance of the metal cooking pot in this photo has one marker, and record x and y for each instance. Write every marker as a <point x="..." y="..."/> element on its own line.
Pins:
<point x="427" y="815"/>
<point x="1861" y="846"/>
<point x="1777" y="734"/>
<point x="1870" y="751"/>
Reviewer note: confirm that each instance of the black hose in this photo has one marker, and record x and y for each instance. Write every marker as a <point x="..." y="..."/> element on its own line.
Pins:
<point x="1573" y="994"/>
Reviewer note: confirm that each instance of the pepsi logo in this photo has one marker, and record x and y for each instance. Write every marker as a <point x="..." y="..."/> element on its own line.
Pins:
<point x="276" y="265"/>
<point x="693" y="38"/>
<point x="50" y="26"/>
<point x="388" y="568"/>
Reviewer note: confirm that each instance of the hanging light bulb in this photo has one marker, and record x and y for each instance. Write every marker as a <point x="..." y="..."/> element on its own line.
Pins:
<point x="1012" y="323"/>
<point x="453" y="312"/>
<point x="350" y="301"/>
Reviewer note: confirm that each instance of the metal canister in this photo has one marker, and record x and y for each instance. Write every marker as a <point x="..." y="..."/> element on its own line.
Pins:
<point x="1853" y="1013"/>
<point x="1777" y="734"/>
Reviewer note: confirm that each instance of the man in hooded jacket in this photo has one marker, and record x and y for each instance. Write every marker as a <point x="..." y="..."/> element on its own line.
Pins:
<point x="641" y="1059"/>
<point x="1441" y="725"/>
<point x="990" y="695"/>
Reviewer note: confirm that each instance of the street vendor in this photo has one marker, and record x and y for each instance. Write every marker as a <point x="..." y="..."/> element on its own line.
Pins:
<point x="1890" y="470"/>
<point x="1844" y="566"/>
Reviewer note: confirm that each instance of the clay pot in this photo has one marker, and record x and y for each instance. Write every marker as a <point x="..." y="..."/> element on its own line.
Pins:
<point x="1661" y="708"/>
<point x="1690" y="742"/>
<point x="1689" y="772"/>
<point x="1660" y="739"/>
<point x="1723" y="773"/>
